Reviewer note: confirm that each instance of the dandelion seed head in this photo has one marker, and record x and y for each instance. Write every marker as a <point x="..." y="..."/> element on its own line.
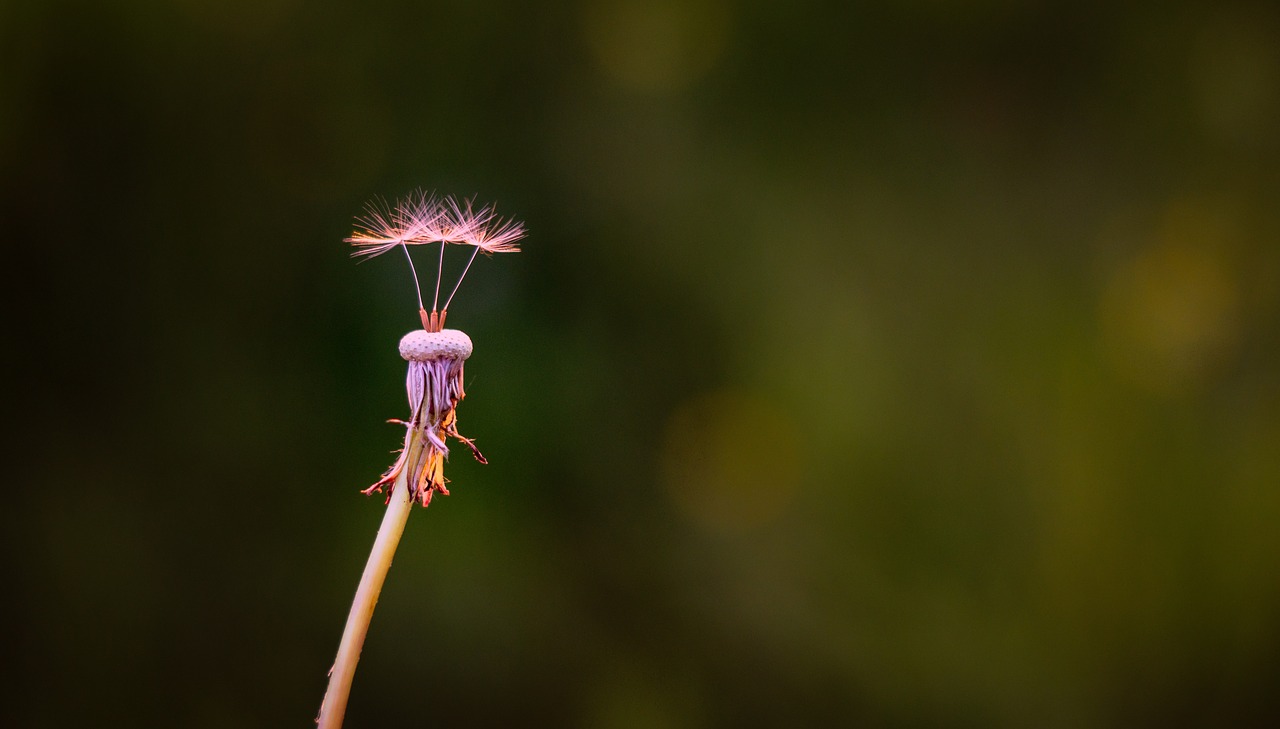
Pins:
<point x="422" y="345"/>
<point x="435" y="355"/>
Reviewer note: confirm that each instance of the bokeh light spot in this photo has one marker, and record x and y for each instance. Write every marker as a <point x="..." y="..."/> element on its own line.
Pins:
<point x="631" y="696"/>
<point x="656" y="46"/>
<point x="1171" y="312"/>
<point x="1235" y="70"/>
<point x="242" y="19"/>
<point x="730" y="460"/>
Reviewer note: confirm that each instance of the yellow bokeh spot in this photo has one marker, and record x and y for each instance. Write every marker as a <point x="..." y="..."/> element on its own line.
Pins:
<point x="1235" y="69"/>
<point x="657" y="46"/>
<point x="1172" y="312"/>
<point x="241" y="18"/>
<point x="730" y="460"/>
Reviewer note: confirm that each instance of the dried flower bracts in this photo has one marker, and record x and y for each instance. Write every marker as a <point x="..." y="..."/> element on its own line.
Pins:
<point x="434" y="386"/>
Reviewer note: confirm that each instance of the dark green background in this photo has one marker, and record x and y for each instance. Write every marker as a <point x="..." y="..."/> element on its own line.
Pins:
<point x="908" y="364"/>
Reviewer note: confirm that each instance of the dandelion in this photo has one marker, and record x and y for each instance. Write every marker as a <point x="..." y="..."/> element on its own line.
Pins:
<point x="434" y="386"/>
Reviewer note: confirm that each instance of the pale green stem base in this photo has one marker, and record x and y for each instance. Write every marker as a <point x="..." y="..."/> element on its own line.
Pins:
<point x="334" y="706"/>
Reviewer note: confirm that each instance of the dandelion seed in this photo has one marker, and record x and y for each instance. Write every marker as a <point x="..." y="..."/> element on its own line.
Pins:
<point x="383" y="227"/>
<point x="480" y="228"/>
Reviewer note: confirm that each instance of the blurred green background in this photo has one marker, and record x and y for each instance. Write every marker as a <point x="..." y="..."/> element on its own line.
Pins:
<point x="908" y="364"/>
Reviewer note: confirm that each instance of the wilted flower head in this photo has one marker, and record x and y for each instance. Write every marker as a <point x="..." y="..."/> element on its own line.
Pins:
<point x="435" y="354"/>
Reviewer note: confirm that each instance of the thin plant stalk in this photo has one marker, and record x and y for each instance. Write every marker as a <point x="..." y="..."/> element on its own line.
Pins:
<point x="334" y="706"/>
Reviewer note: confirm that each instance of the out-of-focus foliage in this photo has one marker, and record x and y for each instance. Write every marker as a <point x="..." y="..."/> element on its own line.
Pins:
<point x="907" y="364"/>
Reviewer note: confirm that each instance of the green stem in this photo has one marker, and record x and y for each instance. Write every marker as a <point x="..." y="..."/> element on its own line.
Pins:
<point x="334" y="706"/>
